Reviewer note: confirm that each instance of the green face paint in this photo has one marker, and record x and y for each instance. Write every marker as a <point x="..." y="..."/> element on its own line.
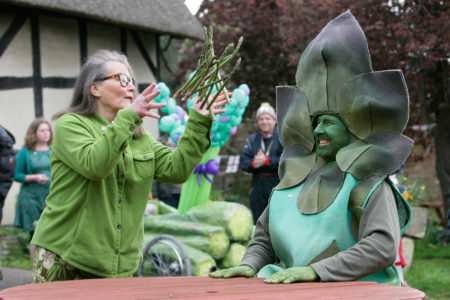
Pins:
<point x="330" y="135"/>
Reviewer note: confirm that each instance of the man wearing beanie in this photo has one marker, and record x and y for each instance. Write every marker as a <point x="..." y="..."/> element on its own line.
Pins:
<point x="261" y="157"/>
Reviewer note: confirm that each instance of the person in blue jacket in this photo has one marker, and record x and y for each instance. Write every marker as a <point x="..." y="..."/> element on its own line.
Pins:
<point x="261" y="157"/>
<point x="33" y="171"/>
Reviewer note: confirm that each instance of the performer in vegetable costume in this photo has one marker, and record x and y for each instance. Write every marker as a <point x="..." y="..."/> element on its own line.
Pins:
<point x="335" y="216"/>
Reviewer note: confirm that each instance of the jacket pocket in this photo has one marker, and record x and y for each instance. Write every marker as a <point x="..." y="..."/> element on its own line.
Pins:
<point x="144" y="164"/>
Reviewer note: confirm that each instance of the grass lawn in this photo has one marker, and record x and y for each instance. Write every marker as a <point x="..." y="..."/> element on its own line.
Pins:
<point x="430" y="268"/>
<point x="14" y="249"/>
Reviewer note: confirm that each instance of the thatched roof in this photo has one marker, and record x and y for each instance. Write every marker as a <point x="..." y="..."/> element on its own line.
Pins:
<point x="163" y="16"/>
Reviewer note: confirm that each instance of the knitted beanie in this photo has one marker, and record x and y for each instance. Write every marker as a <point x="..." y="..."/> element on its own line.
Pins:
<point x="266" y="108"/>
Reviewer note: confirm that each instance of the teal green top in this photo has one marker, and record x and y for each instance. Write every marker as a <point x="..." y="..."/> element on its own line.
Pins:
<point x="31" y="198"/>
<point x="23" y="164"/>
<point x="301" y="239"/>
<point x="377" y="239"/>
<point x="101" y="180"/>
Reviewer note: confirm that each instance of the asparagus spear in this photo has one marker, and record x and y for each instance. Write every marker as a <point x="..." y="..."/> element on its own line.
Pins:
<point x="208" y="73"/>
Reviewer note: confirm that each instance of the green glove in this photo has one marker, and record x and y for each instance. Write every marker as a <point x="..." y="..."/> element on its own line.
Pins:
<point x="240" y="271"/>
<point x="294" y="274"/>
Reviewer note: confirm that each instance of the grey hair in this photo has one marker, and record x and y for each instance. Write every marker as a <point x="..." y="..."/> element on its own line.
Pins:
<point x="83" y="102"/>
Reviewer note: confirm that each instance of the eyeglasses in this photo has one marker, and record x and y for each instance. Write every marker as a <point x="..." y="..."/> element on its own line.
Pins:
<point x="124" y="79"/>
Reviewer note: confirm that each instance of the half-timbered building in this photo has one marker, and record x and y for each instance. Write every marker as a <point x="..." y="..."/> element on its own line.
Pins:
<point x="43" y="43"/>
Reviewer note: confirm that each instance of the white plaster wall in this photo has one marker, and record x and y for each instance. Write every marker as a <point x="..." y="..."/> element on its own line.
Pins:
<point x="137" y="62"/>
<point x="17" y="59"/>
<point x="60" y="50"/>
<point x="54" y="101"/>
<point x="9" y="208"/>
<point x="151" y="125"/>
<point x="17" y="112"/>
<point x="143" y="72"/>
<point x="102" y="36"/>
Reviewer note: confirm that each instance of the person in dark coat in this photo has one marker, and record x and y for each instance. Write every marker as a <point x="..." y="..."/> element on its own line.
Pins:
<point x="7" y="165"/>
<point x="261" y="157"/>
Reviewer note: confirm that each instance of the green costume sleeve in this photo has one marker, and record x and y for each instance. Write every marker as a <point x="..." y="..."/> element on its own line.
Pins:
<point x="192" y="145"/>
<point x="378" y="241"/>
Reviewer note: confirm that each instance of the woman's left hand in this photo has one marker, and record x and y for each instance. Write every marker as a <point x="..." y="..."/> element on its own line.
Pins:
<point x="216" y="107"/>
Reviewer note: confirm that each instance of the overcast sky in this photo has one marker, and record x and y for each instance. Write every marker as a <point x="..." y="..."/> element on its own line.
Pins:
<point x="193" y="5"/>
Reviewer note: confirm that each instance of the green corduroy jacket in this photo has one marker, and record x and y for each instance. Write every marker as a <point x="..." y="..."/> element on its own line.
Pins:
<point x="102" y="175"/>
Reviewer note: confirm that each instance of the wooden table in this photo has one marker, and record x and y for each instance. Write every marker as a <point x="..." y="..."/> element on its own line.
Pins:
<point x="205" y="288"/>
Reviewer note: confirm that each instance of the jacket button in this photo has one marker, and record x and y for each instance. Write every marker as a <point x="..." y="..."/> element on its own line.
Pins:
<point x="116" y="252"/>
<point x="145" y="156"/>
<point x="136" y="122"/>
<point x="120" y="201"/>
<point x="131" y="128"/>
<point x="118" y="226"/>
<point x="122" y="176"/>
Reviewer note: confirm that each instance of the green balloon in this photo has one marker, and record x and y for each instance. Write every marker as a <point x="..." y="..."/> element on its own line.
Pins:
<point x="164" y="109"/>
<point x="190" y="102"/>
<point x="165" y="91"/>
<point x="240" y="110"/>
<point x="235" y="120"/>
<point x="166" y="123"/>
<point x="226" y="129"/>
<point x="245" y="101"/>
<point x="217" y="136"/>
<point x="215" y="126"/>
<point x="171" y="106"/>
<point x="230" y="109"/>
<point x="239" y="96"/>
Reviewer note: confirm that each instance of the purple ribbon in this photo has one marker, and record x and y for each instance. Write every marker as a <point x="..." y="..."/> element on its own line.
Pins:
<point x="210" y="168"/>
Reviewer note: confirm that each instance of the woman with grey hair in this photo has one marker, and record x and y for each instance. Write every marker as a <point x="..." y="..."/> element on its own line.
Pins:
<point x="103" y="165"/>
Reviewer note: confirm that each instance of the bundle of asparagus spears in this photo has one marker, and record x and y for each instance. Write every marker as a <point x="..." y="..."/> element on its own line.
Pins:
<point x="207" y="76"/>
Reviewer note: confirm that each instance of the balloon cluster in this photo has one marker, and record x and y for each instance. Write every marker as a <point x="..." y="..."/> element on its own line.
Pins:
<point x="223" y="127"/>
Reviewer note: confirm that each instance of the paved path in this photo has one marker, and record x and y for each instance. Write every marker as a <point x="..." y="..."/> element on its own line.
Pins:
<point x="13" y="277"/>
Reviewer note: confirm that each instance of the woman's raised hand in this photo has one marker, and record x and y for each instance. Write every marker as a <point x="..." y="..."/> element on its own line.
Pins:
<point x="216" y="107"/>
<point x="143" y="104"/>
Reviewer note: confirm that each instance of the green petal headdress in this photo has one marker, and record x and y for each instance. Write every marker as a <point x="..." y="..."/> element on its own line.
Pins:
<point x="335" y="76"/>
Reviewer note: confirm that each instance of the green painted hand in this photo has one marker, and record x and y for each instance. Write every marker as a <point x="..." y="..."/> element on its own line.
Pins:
<point x="241" y="271"/>
<point x="294" y="274"/>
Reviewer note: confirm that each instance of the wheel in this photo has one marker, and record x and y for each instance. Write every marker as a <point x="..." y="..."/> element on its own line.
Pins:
<point x="165" y="256"/>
